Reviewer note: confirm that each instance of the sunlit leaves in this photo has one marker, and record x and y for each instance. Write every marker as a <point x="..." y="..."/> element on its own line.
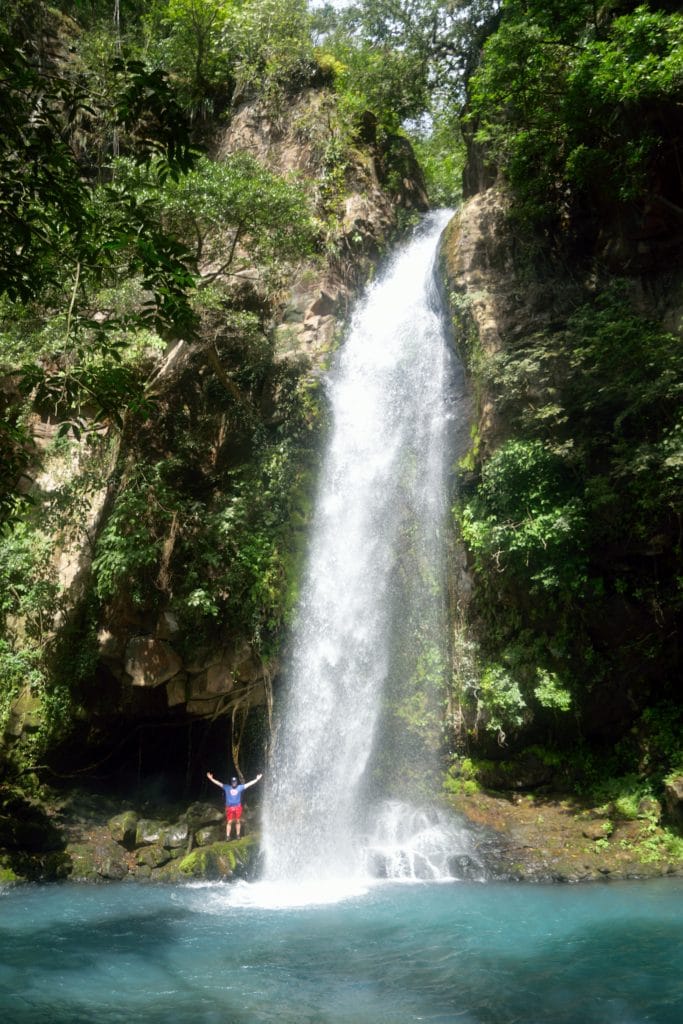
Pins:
<point x="575" y="521"/>
<point x="218" y="205"/>
<point x="566" y="101"/>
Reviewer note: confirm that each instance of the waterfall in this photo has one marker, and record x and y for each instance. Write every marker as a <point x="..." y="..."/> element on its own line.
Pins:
<point x="364" y="687"/>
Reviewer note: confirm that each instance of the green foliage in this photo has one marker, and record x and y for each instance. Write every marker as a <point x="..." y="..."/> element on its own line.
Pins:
<point x="525" y="519"/>
<point x="275" y="48"/>
<point x="218" y="206"/>
<point x="223" y="552"/>
<point x="564" y="520"/>
<point x="440" y="152"/>
<point x="215" y="47"/>
<point x="189" y="37"/>
<point x="421" y="710"/>
<point x="28" y="591"/>
<point x="500" y="700"/>
<point x="444" y="37"/>
<point x="603" y="400"/>
<point x="550" y="693"/>
<point x="385" y="60"/>
<point x="455" y="786"/>
<point x="624" y="796"/>
<point x="29" y="601"/>
<point x="129" y="547"/>
<point x="390" y="83"/>
<point x="20" y="666"/>
<point x="46" y="198"/>
<point x="234" y="558"/>
<point x="64" y="236"/>
<point x="658" y="737"/>
<point x="564" y="103"/>
<point x="41" y="192"/>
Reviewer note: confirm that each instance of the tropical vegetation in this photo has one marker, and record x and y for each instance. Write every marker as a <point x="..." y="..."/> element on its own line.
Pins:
<point x="125" y="233"/>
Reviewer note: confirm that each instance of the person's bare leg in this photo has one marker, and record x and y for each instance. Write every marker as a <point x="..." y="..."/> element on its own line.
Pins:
<point x="238" y="829"/>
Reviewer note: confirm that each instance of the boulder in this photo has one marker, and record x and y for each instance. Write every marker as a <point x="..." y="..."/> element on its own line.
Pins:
<point x="221" y="860"/>
<point x="213" y="682"/>
<point x="650" y="809"/>
<point x="202" y="659"/>
<point x="597" y="829"/>
<point x="176" y="836"/>
<point x="200" y="814"/>
<point x="149" y="831"/>
<point x="150" y="662"/>
<point x="326" y="303"/>
<point x="167" y="626"/>
<point x="210" y="834"/>
<point x="25" y="714"/>
<point x="102" y="859"/>
<point x="152" y="856"/>
<point x="673" y="800"/>
<point x="123" y="828"/>
<point x="176" y="690"/>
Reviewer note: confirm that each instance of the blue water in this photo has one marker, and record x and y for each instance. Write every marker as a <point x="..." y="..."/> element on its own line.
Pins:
<point x="471" y="954"/>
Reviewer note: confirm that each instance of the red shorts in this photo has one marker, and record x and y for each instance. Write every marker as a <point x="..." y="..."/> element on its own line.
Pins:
<point x="233" y="813"/>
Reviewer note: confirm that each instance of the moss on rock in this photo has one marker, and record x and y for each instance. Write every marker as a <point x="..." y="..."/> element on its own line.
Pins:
<point x="123" y="828"/>
<point x="219" y="860"/>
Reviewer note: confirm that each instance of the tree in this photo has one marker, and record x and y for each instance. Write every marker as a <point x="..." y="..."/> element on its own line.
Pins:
<point x="194" y="37"/>
<point x="220" y="207"/>
<point x="64" y="235"/>
<point x="216" y="47"/>
<point x="572" y="106"/>
<point x="446" y="37"/>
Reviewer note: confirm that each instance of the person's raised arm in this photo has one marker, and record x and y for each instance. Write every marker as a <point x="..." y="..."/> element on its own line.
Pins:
<point x="253" y="781"/>
<point x="212" y="779"/>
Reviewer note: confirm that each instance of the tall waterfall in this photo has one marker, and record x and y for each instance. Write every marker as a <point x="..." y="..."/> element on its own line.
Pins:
<point x="366" y="672"/>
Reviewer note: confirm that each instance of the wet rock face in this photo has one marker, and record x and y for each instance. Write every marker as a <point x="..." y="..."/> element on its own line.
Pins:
<point x="489" y="294"/>
<point x="673" y="801"/>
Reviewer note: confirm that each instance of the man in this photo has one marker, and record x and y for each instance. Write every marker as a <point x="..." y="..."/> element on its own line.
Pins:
<point x="233" y="801"/>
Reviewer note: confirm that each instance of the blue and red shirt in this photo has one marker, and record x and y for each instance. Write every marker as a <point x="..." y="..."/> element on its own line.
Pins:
<point x="233" y="795"/>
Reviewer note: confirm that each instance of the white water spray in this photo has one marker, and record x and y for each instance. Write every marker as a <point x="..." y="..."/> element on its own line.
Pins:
<point x="382" y="492"/>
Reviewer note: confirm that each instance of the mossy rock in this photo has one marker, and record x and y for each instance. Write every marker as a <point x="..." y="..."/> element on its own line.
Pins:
<point x="149" y="832"/>
<point x="175" y="836"/>
<point x="26" y="714"/>
<point x="202" y="814"/>
<point x="152" y="856"/>
<point x="123" y="828"/>
<point x="82" y="857"/>
<point x="220" y="860"/>
<point x="210" y="834"/>
<point x="8" y="875"/>
<point x="98" y="860"/>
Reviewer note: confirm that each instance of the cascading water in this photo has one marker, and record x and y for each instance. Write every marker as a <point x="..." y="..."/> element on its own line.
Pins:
<point x="367" y="658"/>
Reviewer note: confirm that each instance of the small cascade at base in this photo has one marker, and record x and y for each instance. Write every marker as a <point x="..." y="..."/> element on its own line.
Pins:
<point x="415" y="844"/>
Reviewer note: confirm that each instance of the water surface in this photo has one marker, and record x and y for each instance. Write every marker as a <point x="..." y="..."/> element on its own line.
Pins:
<point x="391" y="954"/>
